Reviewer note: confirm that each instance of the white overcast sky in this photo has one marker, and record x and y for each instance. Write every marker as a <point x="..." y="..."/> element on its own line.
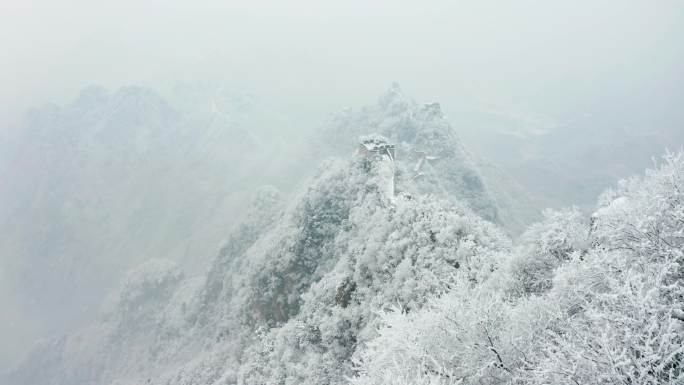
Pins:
<point x="334" y="53"/>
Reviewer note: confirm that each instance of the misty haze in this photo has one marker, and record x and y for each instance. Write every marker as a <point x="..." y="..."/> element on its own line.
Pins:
<point x="364" y="193"/>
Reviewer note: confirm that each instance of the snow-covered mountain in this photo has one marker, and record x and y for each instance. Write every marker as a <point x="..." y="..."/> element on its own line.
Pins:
<point x="431" y="158"/>
<point x="383" y="270"/>
<point x="116" y="178"/>
<point x="112" y="179"/>
<point x="290" y="297"/>
<point x="347" y="284"/>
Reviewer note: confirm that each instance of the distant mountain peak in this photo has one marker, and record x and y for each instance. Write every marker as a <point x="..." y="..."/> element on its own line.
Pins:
<point x="392" y="95"/>
<point x="92" y="95"/>
<point x="429" y="154"/>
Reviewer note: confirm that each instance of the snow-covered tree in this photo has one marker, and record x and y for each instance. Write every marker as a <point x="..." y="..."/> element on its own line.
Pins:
<point x="601" y="312"/>
<point x="559" y="237"/>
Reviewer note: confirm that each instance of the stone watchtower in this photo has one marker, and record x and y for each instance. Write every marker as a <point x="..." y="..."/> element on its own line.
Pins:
<point x="373" y="145"/>
<point x="380" y="152"/>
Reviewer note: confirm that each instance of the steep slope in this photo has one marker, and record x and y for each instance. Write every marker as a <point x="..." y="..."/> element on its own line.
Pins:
<point x="430" y="157"/>
<point x="289" y="298"/>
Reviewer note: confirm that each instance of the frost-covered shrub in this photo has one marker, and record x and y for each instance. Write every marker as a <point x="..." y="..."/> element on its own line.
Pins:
<point x="608" y="312"/>
<point x="627" y="295"/>
<point x="545" y="246"/>
<point x="471" y="335"/>
<point x="621" y="331"/>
